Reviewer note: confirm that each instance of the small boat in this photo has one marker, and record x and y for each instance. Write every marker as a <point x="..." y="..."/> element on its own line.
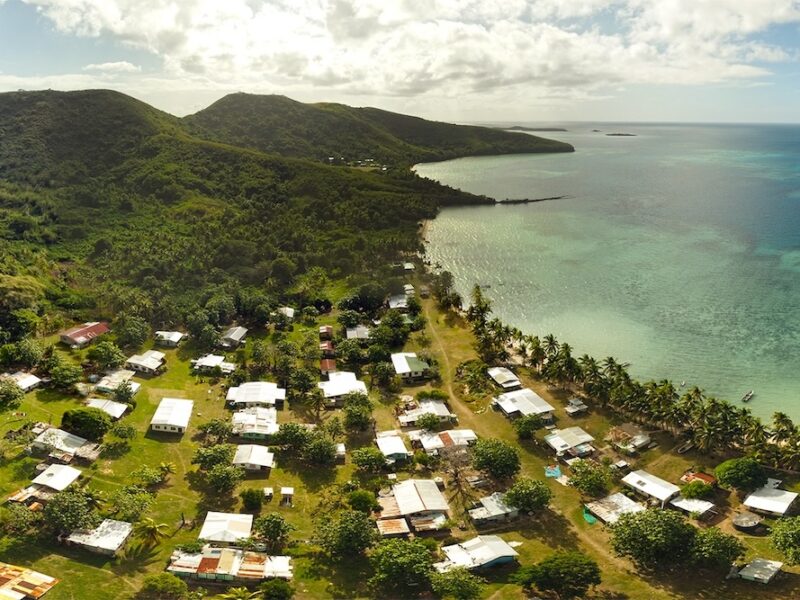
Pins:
<point x="748" y="396"/>
<point x="683" y="383"/>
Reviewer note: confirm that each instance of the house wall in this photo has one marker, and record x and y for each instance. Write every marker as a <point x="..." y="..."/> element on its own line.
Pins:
<point x="168" y="428"/>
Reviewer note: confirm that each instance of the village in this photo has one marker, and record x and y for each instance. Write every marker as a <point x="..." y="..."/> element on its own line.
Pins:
<point x="221" y="446"/>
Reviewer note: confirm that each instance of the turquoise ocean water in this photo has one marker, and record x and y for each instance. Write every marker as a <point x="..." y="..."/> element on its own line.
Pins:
<point x="678" y="251"/>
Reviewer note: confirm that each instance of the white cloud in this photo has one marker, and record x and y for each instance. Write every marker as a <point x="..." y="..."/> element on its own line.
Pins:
<point x="113" y="67"/>
<point x="445" y="48"/>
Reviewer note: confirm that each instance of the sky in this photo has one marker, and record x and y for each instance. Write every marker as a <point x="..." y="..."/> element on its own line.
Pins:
<point x="455" y="60"/>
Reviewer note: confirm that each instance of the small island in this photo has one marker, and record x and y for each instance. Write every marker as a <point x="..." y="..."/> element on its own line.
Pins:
<point x="621" y="134"/>
<point x="522" y="128"/>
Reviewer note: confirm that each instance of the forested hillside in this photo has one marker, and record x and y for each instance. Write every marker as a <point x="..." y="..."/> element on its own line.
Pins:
<point x="318" y="131"/>
<point x="108" y="204"/>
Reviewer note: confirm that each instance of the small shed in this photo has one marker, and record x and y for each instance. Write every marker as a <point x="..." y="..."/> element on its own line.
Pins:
<point x="761" y="570"/>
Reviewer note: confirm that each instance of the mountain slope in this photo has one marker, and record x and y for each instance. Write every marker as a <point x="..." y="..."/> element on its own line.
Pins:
<point x="318" y="131"/>
<point x="68" y="136"/>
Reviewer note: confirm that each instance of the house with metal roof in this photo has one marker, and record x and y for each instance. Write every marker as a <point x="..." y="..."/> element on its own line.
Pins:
<point x="82" y="335"/>
<point x="150" y="362"/>
<point x="286" y="311"/>
<point x="58" y="439"/>
<point x="170" y="339"/>
<point x="481" y="552"/>
<point x="426" y="406"/>
<point x="391" y="444"/>
<point x="359" y="332"/>
<point x="108" y="538"/>
<point x="209" y="362"/>
<point x="628" y="438"/>
<point x="651" y="486"/>
<point x="113" y="409"/>
<point x="393" y="527"/>
<point x="25" y="381"/>
<point x="493" y="508"/>
<point x="398" y="302"/>
<point x="226" y="528"/>
<point x="339" y="384"/>
<point x="407" y="365"/>
<point x="55" y="478"/>
<point x="524" y="402"/>
<point x="256" y="393"/>
<point x="504" y="378"/>
<point x="419" y="501"/>
<point x="229" y="565"/>
<point x="572" y="440"/>
<point x="233" y="337"/>
<point x="611" y="508"/>
<point x="770" y="500"/>
<point x="114" y="379"/>
<point x="256" y="423"/>
<point x="253" y="457"/>
<point x="433" y="441"/>
<point x="172" y="415"/>
<point x="693" y="506"/>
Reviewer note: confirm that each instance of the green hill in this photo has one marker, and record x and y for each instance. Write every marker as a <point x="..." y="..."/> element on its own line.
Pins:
<point x="318" y="131"/>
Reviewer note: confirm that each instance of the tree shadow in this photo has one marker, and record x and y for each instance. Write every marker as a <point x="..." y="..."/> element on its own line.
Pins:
<point x="554" y="529"/>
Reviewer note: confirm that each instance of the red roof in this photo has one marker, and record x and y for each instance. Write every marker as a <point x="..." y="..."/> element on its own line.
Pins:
<point x="696" y="476"/>
<point x="326" y="345"/>
<point x="86" y="332"/>
<point x="327" y="364"/>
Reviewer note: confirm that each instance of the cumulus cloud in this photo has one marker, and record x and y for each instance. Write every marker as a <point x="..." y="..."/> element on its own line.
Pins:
<point x="113" y="67"/>
<point x="548" y="48"/>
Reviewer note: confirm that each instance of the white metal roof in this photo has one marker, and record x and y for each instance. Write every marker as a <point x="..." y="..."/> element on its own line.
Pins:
<point x="209" y="361"/>
<point x="475" y="553"/>
<point x="407" y="362"/>
<point x="494" y="505"/>
<point x="390" y="443"/>
<point x="152" y="359"/>
<point x="341" y="383"/>
<point x="432" y="441"/>
<point x="692" y="505"/>
<point x="650" y="485"/>
<point x="419" y="495"/>
<point x="503" y="377"/>
<point x="174" y="412"/>
<point x="169" y="336"/>
<point x="770" y="500"/>
<point x="359" y="332"/>
<point x="57" y="477"/>
<point x="287" y="312"/>
<point x="424" y="407"/>
<point x="226" y="527"/>
<point x="109" y="535"/>
<point x="398" y="301"/>
<point x="235" y="334"/>
<point x="111" y="381"/>
<point x="256" y="419"/>
<point x="565" y="439"/>
<point x="252" y="392"/>
<point x="761" y="569"/>
<point x="60" y="440"/>
<point x="524" y="401"/>
<point x="111" y="408"/>
<point x="25" y="381"/>
<point x="611" y="508"/>
<point x="253" y="454"/>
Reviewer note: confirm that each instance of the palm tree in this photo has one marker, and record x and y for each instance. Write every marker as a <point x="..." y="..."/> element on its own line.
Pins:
<point x="167" y="469"/>
<point x="551" y="346"/>
<point x="150" y="531"/>
<point x="782" y="427"/>
<point x="94" y="498"/>
<point x="239" y="593"/>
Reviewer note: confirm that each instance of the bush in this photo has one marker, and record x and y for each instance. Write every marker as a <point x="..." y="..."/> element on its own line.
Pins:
<point x="697" y="489"/>
<point x="527" y="425"/>
<point x="785" y="538"/>
<point x="498" y="458"/>
<point x="11" y="395"/>
<point x="569" y="574"/>
<point x="363" y="500"/>
<point x="89" y="423"/>
<point x="276" y="589"/>
<point x="742" y="474"/>
<point x="528" y="495"/>
<point x="428" y="421"/>
<point x="252" y="499"/>
<point x="164" y="586"/>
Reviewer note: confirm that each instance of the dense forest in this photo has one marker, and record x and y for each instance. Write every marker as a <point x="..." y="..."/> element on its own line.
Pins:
<point x="109" y="205"/>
